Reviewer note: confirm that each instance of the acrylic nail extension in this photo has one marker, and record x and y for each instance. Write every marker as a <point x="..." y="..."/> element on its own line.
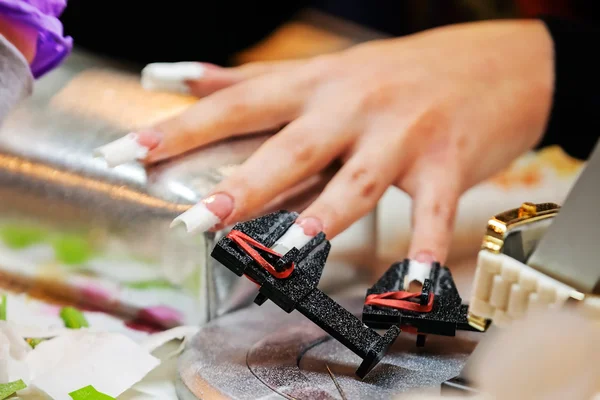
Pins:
<point x="207" y="214"/>
<point x="197" y="219"/>
<point x="417" y="272"/>
<point x="298" y="235"/>
<point x="131" y="147"/>
<point x="171" y="77"/>
<point x="419" y="269"/>
<point x="123" y="150"/>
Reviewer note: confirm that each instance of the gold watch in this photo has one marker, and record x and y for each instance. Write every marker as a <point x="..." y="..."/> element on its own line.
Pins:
<point x="505" y="288"/>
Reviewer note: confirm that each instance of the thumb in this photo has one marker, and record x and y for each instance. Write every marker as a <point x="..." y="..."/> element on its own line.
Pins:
<point x="433" y="211"/>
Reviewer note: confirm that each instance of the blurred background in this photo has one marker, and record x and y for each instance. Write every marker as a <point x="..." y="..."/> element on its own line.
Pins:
<point x="217" y="32"/>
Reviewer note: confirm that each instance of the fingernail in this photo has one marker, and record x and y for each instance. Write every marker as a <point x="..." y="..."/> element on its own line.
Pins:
<point x="424" y="257"/>
<point x="131" y="147"/>
<point x="171" y="77"/>
<point x="206" y="214"/>
<point x="419" y="269"/>
<point x="211" y="67"/>
<point x="312" y="226"/>
<point x="300" y="233"/>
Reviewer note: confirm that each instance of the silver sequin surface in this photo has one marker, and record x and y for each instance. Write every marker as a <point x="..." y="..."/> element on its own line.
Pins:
<point x="264" y="353"/>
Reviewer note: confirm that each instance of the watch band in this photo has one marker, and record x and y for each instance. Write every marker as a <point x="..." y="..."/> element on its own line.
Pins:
<point x="505" y="288"/>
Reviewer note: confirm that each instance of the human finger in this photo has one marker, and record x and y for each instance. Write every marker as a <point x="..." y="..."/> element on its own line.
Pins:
<point x="253" y="106"/>
<point x="302" y="149"/>
<point x="202" y="79"/>
<point x="434" y="205"/>
<point x="353" y="191"/>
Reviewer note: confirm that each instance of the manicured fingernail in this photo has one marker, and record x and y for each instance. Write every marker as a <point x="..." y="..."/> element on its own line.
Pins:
<point x="131" y="147"/>
<point x="424" y="257"/>
<point x="419" y="269"/>
<point x="310" y="225"/>
<point x="171" y="77"/>
<point x="300" y="233"/>
<point x="206" y="214"/>
<point x="211" y="67"/>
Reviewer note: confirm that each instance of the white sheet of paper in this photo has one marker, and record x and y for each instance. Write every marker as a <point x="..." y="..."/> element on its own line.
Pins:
<point x="157" y="340"/>
<point x="110" y="362"/>
<point x="159" y="384"/>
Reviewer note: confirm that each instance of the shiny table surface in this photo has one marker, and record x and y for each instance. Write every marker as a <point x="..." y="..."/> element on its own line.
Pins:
<point x="48" y="175"/>
<point x="264" y="353"/>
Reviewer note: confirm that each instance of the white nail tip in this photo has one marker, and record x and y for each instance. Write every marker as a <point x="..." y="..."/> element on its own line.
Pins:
<point x="171" y="77"/>
<point x="197" y="219"/>
<point x="122" y="151"/>
<point x="293" y="237"/>
<point x="417" y="271"/>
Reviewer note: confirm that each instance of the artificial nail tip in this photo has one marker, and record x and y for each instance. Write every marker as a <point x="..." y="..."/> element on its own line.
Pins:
<point x="122" y="150"/>
<point x="197" y="219"/>
<point x="293" y="237"/>
<point x="425" y="257"/>
<point x="176" y="222"/>
<point x="171" y="77"/>
<point x="417" y="271"/>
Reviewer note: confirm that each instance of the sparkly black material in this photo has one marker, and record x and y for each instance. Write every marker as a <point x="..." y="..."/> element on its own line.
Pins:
<point x="299" y="291"/>
<point x="447" y="316"/>
<point x="458" y="387"/>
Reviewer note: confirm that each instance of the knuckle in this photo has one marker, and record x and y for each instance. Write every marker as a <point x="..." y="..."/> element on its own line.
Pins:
<point x="368" y="189"/>
<point x="237" y="184"/>
<point x="297" y="143"/>
<point x="430" y="123"/>
<point x="253" y="67"/>
<point x="374" y="97"/>
<point x="302" y="152"/>
<point x="443" y="212"/>
<point x="365" y="183"/>
<point x="223" y="109"/>
<point x="322" y="64"/>
<point x="184" y="129"/>
<point x="236" y="106"/>
<point x="295" y="151"/>
<point x="317" y="69"/>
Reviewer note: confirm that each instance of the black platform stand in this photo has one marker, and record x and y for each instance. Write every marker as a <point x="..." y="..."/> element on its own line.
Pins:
<point x="299" y="290"/>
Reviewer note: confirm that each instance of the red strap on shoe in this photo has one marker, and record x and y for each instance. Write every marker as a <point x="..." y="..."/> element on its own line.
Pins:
<point x="399" y="300"/>
<point x="248" y="245"/>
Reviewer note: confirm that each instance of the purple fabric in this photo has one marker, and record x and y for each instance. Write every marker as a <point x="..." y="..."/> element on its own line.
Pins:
<point x="42" y="15"/>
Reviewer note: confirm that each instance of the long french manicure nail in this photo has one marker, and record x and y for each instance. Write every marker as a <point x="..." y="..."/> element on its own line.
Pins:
<point x="207" y="214"/>
<point x="425" y="257"/>
<point x="300" y="233"/>
<point x="171" y="77"/>
<point x="419" y="269"/>
<point x="131" y="147"/>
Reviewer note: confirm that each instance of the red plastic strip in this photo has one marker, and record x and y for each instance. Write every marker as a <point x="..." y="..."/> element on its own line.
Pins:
<point x="399" y="300"/>
<point x="248" y="245"/>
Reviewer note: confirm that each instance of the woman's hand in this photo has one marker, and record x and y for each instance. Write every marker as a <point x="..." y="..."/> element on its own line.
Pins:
<point x="432" y="113"/>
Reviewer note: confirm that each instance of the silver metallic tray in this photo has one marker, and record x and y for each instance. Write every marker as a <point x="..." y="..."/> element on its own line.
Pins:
<point x="49" y="178"/>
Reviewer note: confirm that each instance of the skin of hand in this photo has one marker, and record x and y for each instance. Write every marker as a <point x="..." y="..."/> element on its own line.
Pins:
<point x="551" y="355"/>
<point x="432" y="113"/>
<point x="547" y="355"/>
<point x="23" y="37"/>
